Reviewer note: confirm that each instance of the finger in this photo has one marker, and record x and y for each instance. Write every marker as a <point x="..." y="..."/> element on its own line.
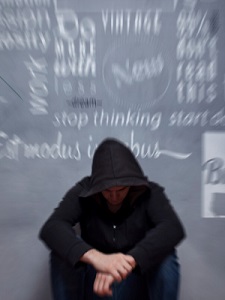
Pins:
<point x="127" y="261"/>
<point x="117" y="275"/>
<point x="128" y="267"/>
<point x="107" y="290"/>
<point x="102" y="284"/>
<point x="97" y="283"/>
<point x="124" y="271"/>
<point x="124" y="268"/>
<point x="131" y="261"/>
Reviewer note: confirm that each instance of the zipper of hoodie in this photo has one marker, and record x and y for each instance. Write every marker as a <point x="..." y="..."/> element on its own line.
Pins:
<point x="114" y="233"/>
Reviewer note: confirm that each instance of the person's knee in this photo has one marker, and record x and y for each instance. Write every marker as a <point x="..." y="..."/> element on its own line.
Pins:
<point x="63" y="271"/>
<point x="169" y="269"/>
<point x="163" y="284"/>
<point x="67" y="282"/>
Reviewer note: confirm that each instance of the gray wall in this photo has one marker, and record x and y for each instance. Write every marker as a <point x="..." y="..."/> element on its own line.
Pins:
<point x="150" y="73"/>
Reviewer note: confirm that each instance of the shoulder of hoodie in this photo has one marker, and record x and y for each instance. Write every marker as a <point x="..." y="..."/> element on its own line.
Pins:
<point x="155" y="187"/>
<point x="79" y="187"/>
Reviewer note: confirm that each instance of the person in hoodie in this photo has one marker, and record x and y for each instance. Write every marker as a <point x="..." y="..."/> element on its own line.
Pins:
<point x="128" y="231"/>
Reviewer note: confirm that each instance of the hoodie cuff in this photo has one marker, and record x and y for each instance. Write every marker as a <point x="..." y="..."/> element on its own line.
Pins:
<point x="141" y="257"/>
<point x="77" y="251"/>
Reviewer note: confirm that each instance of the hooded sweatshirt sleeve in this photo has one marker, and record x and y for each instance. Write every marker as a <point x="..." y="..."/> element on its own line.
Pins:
<point x="58" y="233"/>
<point x="166" y="234"/>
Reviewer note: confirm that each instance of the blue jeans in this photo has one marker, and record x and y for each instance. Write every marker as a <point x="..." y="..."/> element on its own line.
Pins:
<point x="76" y="283"/>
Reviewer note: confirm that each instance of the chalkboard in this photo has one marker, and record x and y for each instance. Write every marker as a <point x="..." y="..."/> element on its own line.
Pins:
<point x="150" y="73"/>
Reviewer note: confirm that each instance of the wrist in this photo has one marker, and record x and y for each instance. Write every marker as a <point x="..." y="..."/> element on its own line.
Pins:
<point x="89" y="257"/>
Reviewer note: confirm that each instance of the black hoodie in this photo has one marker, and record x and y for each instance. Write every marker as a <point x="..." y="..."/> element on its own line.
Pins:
<point x="145" y="227"/>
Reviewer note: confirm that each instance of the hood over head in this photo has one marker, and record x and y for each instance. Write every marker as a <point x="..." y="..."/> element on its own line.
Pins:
<point x="114" y="165"/>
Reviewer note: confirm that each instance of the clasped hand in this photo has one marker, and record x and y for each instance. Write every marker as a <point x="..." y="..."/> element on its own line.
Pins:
<point x="111" y="268"/>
